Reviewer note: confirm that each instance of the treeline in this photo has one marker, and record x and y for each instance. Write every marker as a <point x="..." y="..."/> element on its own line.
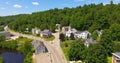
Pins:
<point x="88" y="17"/>
<point x="7" y="19"/>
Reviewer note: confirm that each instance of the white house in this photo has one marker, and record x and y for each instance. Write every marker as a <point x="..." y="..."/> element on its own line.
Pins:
<point x="33" y="30"/>
<point x="68" y="33"/>
<point x="36" y="31"/>
<point x="83" y="35"/>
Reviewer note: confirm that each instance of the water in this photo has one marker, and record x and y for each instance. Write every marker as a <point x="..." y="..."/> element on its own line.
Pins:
<point x="11" y="56"/>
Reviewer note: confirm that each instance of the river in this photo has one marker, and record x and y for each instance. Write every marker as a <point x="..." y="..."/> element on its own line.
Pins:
<point x="11" y="56"/>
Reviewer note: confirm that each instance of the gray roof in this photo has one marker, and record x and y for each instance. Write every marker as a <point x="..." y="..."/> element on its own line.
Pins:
<point x="86" y="31"/>
<point x="6" y="33"/>
<point x="117" y="54"/>
<point x="47" y="31"/>
<point x="78" y="32"/>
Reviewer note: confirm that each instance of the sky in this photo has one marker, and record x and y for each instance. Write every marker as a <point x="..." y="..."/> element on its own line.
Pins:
<point x="13" y="7"/>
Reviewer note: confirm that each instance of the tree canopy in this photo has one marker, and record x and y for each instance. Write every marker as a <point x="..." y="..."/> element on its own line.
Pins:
<point x="88" y="17"/>
<point x="76" y="50"/>
<point x="96" y="54"/>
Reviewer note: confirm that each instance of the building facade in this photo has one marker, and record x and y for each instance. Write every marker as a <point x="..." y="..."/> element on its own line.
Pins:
<point x="46" y="33"/>
<point x="83" y="35"/>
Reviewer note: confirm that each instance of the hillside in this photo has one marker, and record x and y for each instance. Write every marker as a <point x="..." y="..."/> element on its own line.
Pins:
<point x="88" y="17"/>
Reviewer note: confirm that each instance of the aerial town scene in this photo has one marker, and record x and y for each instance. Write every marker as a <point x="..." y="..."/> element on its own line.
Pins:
<point x="59" y="31"/>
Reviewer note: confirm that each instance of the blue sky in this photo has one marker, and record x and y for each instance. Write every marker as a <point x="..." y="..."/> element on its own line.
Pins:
<point x="13" y="7"/>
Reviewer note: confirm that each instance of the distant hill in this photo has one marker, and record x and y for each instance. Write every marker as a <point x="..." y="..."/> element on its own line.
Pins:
<point x="88" y="17"/>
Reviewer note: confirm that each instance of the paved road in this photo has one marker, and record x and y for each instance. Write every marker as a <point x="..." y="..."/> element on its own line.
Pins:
<point x="55" y="53"/>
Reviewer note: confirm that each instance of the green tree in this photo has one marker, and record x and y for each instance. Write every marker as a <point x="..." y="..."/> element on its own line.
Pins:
<point x="27" y="51"/>
<point x="28" y="58"/>
<point x="115" y="32"/>
<point x="76" y="50"/>
<point x="1" y="29"/>
<point x="2" y="38"/>
<point x="96" y="54"/>
<point x="9" y="44"/>
<point x="117" y="47"/>
<point x="26" y="47"/>
<point x="62" y="37"/>
<point x="106" y="41"/>
<point x="95" y="34"/>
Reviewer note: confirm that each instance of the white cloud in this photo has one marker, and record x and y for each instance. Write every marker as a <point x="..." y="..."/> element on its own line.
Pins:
<point x="17" y="6"/>
<point x="35" y="3"/>
<point x="114" y="1"/>
<point x="106" y="3"/>
<point x="78" y="0"/>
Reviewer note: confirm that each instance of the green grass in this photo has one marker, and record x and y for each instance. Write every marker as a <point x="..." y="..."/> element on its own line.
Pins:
<point x="109" y="59"/>
<point x="98" y="38"/>
<point x="49" y="39"/>
<point x="65" y="51"/>
<point x="1" y="60"/>
<point x="22" y="40"/>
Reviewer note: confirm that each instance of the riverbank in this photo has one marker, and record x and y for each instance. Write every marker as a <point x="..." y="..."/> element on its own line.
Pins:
<point x="1" y="59"/>
<point x="14" y="46"/>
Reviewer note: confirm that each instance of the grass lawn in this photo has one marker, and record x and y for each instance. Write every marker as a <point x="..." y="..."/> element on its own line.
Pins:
<point x="109" y="59"/>
<point x="49" y="39"/>
<point x="65" y="51"/>
<point x="66" y="48"/>
<point x="22" y="40"/>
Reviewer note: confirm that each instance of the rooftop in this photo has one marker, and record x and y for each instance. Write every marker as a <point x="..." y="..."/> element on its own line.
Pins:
<point x="117" y="54"/>
<point x="4" y="32"/>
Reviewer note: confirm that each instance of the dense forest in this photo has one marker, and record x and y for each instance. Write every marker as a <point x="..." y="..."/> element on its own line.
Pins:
<point x="88" y="17"/>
